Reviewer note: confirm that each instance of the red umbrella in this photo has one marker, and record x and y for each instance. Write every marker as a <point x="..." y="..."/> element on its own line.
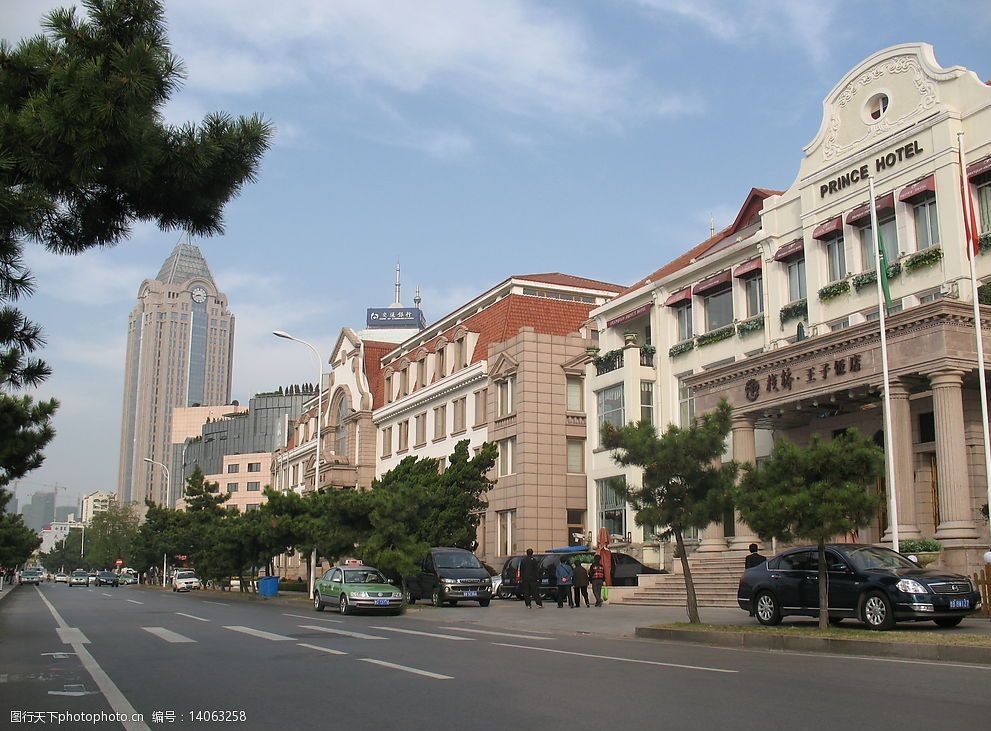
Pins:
<point x="602" y="550"/>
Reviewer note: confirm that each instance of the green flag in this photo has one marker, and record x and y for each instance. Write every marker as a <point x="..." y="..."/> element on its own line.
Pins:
<point x="883" y="273"/>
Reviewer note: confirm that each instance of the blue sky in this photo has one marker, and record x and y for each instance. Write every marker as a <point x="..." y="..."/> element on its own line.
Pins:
<point x="471" y="140"/>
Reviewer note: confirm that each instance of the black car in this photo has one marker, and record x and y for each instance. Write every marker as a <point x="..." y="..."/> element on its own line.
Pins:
<point x="869" y="583"/>
<point x="107" y="578"/>
<point x="450" y="575"/>
<point x="624" y="570"/>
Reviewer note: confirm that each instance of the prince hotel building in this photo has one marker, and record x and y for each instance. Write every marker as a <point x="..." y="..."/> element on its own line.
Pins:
<point x="778" y="313"/>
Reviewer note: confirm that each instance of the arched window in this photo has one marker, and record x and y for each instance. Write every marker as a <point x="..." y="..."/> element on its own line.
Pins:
<point x="342" y="413"/>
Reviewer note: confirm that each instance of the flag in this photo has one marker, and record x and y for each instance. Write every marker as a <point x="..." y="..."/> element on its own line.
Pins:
<point x="883" y="269"/>
<point x="971" y="235"/>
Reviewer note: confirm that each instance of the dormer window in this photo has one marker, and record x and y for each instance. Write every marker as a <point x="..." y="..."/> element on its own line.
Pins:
<point x="877" y="105"/>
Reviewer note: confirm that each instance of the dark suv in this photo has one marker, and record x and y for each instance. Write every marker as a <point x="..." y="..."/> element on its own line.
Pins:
<point x="450" y="575"/>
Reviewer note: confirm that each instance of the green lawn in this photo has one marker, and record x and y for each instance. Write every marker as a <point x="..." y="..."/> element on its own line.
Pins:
<point x="917" y="634"/>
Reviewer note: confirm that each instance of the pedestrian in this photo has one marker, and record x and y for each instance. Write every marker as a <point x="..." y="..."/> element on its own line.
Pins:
<point x="530" y="579"/>
<point x="565" y="580"/>
<point x="597" y="574"/>
<point x="754" y="558"/>
<point x="581" y="585"/>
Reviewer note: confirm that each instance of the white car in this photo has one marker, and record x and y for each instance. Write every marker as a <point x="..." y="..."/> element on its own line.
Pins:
<point x="185" y="581"/>
<point x="61" y="578"/>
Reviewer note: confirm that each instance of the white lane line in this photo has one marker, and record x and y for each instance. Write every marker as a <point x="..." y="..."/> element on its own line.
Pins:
<point x="116" y="700"/>
<point x="356" y="635"/>
<point x="497" y="634"/>
<point x="407" y="669"/>
<point x="105" y="593"/>
<point x="425" y="634"/>
<point x="315" y="619"/>
<point x="167" y="634"/>
<point x="258" y="633"/>
<point x="192" y="616"/>
<point x="71" y="636"/>
<point x="823" y="656"/>
<point x="328" y="650"/>
<point x="219" y="604"/>
<point x="135" y="601"/>
<point x="620" y="659"/>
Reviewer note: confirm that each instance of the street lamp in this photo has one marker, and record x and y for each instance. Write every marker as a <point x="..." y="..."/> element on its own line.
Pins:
<point x="168" y="491"/>
<point x="316" y="482"/>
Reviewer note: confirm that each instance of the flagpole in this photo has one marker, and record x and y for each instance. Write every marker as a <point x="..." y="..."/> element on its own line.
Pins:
<point x="970" y="235"/>
<point x="882" y="311"/>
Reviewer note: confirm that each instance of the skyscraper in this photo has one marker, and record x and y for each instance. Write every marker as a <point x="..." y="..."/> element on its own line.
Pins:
<point x="180" y="343"/>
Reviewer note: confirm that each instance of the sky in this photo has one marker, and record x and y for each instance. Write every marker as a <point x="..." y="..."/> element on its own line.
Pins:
<point x="468" y="139"/>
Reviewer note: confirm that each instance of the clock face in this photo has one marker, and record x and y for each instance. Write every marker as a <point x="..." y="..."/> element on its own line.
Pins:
<point x="199" y="294"/>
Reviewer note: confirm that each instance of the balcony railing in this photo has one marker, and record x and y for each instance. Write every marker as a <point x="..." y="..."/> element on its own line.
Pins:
<point x="647" y="355"/>
<point x="607" y="362"/>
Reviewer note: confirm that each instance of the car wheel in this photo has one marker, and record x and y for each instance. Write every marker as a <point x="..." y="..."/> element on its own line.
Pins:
<point x="410" y="599"/>
<point x="345" y="606"/>
<point x="948" y="621"/>
<point x="318" y="604"/>
<point x="767" y="610"/>
<point x="452" y="603"/>
<point x="876" y="611"/>
<point x="484" y="602"/>
<point x="438" y="598"/>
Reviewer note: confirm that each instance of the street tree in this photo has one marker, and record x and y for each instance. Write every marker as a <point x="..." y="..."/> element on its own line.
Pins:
<point x="813" y="493"/>
<point x="110" y="536"/>
<point x="66" y="555"/>
<point x="684" y="484"/>
<point x="17" y="541"/>
<point x="85" y="153"/>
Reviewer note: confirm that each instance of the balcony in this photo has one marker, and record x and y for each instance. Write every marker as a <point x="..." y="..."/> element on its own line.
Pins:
<point x="647" y="355"/>
<point x="608" y="362"/>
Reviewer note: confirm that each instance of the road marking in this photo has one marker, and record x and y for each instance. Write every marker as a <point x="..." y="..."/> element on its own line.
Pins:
<point x="257" y="633"/>
<point x="74" y="690"/>
<point x="219" y="604"/>
<point x="167" y="634"/>
<point x="356" y="635"/>
<point x="315" y="619"/>
<point x="71" y="635"/>
<point x="328" y="650"/>
<point x="407" y="669"/>
<point x="135" y="601"/>
<point x="105" y="593"/>
<point x="192" y="616"/>
<point x="620" y="659"/>
<point x="118" y="703"/>
<point x="425" y="634"/>
<point x="497" y="634"/>
<point x="830" y="655"/>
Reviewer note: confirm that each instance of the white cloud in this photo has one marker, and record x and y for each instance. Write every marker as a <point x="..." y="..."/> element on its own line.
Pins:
<point x="95" y="277"/>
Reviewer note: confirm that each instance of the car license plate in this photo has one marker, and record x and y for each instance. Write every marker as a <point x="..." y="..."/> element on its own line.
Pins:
<point x="471" y="593"/>
<point x="959" y="603"/>
<point x="381" y="602"/>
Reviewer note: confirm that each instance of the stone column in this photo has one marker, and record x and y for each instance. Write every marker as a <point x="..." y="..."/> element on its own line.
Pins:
<point x="713" y="538"/>
<point x="956" y="514"/>
<point x="744" y="451"/>
<point x="904" y="474"/>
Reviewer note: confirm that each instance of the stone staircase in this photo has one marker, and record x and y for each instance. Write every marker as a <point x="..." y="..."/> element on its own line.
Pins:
<point x="716" y="582"/>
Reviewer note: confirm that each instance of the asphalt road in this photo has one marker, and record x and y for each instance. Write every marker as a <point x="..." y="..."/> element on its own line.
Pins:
<point x="143" y="651"/>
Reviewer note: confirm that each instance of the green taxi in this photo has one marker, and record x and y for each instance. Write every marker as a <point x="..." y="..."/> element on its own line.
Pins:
<point x="354" y="588"/>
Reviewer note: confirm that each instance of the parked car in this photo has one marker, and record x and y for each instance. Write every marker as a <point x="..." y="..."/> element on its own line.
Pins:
<point x="185" y="581"/>
<point x="127" y="578"/>
<point x="32" y="576"/>
<point x="496" y="577"/>
<point x="61" y="578"/>
<point x="450" y="575"/>
<point x="79" y="577"/>
<point x="92" y="577"/>
<point x="106" y="578"/>
<point x="869" y="583"/>
<point x="356" y="587"/>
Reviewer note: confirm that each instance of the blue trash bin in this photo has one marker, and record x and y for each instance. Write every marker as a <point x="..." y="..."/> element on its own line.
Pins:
<point x="268" y="586"/>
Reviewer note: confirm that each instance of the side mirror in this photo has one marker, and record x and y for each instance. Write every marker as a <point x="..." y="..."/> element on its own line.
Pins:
<point x="913" y="558"/>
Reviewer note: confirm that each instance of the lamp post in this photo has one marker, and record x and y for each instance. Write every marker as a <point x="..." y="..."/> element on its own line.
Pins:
<point x="168" y="491"/>
<point x="316" y="480"/>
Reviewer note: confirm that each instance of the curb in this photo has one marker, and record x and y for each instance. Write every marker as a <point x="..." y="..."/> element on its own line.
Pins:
<point x="825" y="645"/>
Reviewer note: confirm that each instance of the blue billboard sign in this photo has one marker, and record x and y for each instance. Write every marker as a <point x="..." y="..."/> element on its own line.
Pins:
<point x="395" y="317"/>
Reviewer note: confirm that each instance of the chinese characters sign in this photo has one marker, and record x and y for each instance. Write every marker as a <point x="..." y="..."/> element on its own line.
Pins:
<point x="787" y="378"/>
<point x="395" y="317"/>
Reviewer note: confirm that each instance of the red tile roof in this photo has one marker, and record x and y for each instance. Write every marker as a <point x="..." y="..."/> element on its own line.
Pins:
<point x="569" y="280"/>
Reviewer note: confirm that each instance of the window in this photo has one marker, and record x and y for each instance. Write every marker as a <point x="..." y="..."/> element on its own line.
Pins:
<point x="404" y="382"/>
<point x="388" y="389"/>
<point x="481" y="412"/>
<point x="507" y="528"/>
<point x="251" y="507"/>
<point x="421" y="373"/>
<point x="684" y="315"/>
<point x="926" y="224"/>
<point x="507" y="457"/>
<point x="421" y="429"/>
<point x="506" y="391"/>
<point x="341" y="434"/>
<point x="686" y="403"/>
<point x="576" y="456"/>
<point x="930" y="296"/>
<point x="440" y="422"/>
<point x="611" y="406"/>
<point x="460" y="420"/>
<point x="647" y="401"/>
<point x="836" y="259"/>
<point x="441" y="366"/>
<point x="254" y="466"/>
<point x="754" y="290"/>
<point x="253" y="486"/>
<point x="612" y="507"/>
<point x="403" y="435"/>
<point x="796" y="280"/>
<point x="387" y="441"/>
<point x="233" y="469"/>
<point x="877" y="105"/>
<point x="718" y="309"/>
<point x="984" y="205"/>
<point x="231" y="487"/>
<point x="576" y="394"/>
<point x="576" y="527"/>
<point x="889" y="237"/>
<point x="841" y="324"/>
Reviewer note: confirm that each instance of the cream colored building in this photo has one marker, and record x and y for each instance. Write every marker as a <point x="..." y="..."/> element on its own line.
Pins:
<point x="784" y="312"/>
<point x="94" y="504"/>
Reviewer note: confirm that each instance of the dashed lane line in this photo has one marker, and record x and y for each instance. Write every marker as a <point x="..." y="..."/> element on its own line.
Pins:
<point x="315" y="619"/>
<point x="425" y="634"/>
<point x="328" y="650"/>
<point x="135" y="601"/>
<point x="219" y="604"/>
<point x="105" y="593"/>
<point x="497" y="634"/>
<point x="345" y="633"/>
<point x="620" y="659"/>
<point x="192" y="616"/>
<point x="167" y="635"/>
<point x="258" y="633"/>
<point x="407" y="669"/>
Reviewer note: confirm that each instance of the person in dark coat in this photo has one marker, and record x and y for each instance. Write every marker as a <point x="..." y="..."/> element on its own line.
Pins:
<point x="754" y="558"/>
<point x="580" y="579"/>
<point x="565" y="576"/>
<point x="597" y="574"/>
<point x="530" y="579"/>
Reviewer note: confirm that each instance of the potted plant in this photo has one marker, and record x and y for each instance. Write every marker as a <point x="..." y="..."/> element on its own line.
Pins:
<point x="592" y="350"/>
<point x="630" y="337"/>
<point x="925" y="550"/>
